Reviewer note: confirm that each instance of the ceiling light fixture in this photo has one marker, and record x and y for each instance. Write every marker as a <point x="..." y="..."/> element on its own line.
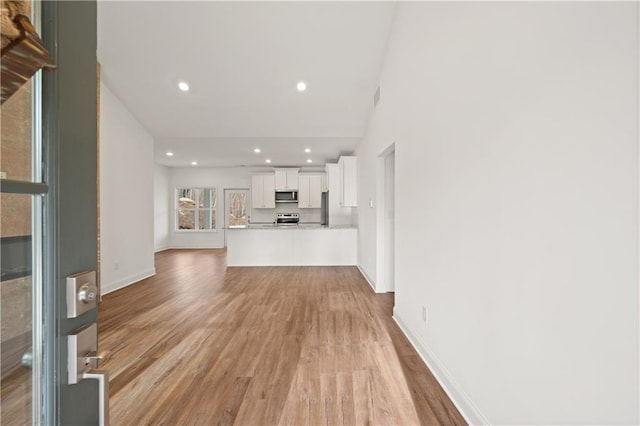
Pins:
<point x="256" y="150"/>
<point x="307" y="150"/>
<point x="301" y="86"/>
<point x="184" y="86"/>
<point x="267" y="160"/>
<point x="169" y="154"/>
<point x="309" y="160"/>
<point x="194" y="163"/>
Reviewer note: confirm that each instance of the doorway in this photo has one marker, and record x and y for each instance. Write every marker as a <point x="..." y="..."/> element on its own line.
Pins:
<point x="389" y="218"/>
<point x="237" y="204"/>
<point x="386" y="220"/>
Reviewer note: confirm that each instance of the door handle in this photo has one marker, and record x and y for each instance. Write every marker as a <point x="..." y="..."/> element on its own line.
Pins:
<point x="102" y="376"/>
<point x="96" y="356"/>
<point x="82" y="361"/>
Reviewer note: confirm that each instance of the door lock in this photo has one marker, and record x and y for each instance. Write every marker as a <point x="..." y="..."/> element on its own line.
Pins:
<point x="82" y="293"/>
<point x="87" y="293"/>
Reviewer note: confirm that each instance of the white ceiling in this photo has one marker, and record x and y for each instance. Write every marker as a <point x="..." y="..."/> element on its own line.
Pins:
<point x="243" y="60"/>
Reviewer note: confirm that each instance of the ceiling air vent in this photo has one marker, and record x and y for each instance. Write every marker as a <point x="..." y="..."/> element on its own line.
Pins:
<point x="376" y="97"/>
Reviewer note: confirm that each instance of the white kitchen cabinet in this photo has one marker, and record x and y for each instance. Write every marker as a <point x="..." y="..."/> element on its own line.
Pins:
<point x="338" y="215"/>
<point x="315" y="191"/>
<point x="348" y="170"/>
<point x="309" y="191"/>
<point x="325" y="247"/>
<point x="263" y="191"/>
<point x="292" y="246"/>
<point x="286" y="179"/>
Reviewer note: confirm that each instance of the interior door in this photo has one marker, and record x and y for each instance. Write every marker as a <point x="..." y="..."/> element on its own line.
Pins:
<point x="389" y="203"/>
<point x="237" y="206"/>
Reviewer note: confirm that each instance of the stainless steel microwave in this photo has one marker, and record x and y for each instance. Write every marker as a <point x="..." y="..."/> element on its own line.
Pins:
<point x="286" y="196"/>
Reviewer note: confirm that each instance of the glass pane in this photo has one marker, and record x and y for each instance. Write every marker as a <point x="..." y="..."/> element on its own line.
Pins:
<point x="204" y="198"/>
<point x="186" y="219"/>
<point x="237" y="209"/>
<point x="186" y="198"/>
<point x="207" y="219"/>
<point x="21" y="331"/>
<point x="16" y="309"/>
<point x="16" y="134"/>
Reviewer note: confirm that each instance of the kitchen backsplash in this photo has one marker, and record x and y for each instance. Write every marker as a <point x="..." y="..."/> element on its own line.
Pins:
<point x="269" y="215"/>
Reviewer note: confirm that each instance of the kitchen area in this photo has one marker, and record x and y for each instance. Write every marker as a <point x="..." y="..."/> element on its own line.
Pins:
<point x="298" y="218"/>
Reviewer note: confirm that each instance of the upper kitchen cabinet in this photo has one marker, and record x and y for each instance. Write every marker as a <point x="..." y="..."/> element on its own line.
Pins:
<point x="310" y="190"/>
<point x="286" y="179"/>
<point x="263" y="192"/>
<point x="338" y="215"/>
<point x="348" y="175"/>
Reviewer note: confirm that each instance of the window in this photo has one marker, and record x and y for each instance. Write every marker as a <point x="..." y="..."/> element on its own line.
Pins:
<point x="196" y="209"/>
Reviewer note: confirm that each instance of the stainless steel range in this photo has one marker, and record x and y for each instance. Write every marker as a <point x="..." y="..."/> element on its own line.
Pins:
<point x="285" y="219"/>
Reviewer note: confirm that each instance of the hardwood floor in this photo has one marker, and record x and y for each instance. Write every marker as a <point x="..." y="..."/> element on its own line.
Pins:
<point x="199" y="344"/>
<point x="15" y="398"/>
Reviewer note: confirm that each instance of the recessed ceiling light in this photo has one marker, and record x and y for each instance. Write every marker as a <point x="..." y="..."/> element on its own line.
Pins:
<point x="301" y="86"/>
<point x="184" y="86"/>
<point x="169" y="154"/>
<point x="256" y="150"/>
<point x="307" y="150"/>
<point x="194" y="163"/>
<point x="267" y="160"/>
<point x="309" y="160"/>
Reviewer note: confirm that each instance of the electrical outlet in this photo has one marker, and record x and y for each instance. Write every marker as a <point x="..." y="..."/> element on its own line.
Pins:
<point x="425" y="315"/>
<point x="116" y="266"/>
<point x="3" y="175"/>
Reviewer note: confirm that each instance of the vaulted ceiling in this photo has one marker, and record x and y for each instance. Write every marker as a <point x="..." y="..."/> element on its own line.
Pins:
<point x="242" y="61"/>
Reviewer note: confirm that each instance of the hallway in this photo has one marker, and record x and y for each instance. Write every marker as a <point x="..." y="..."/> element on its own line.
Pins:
<point x="200" y="344"/>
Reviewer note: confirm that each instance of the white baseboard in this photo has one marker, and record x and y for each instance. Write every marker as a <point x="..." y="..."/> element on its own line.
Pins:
<point x="460" y="399"/>
<point x="366" y="277"/>
<point x="124" y="282"/>
<point x="161" y="248"/>
<point x="194" y="246"/>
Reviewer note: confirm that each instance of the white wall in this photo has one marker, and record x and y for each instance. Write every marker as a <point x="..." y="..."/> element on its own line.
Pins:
<point x="126" y="196"/>
<point x="161" y="206"/>
<point x="516" y="141"/>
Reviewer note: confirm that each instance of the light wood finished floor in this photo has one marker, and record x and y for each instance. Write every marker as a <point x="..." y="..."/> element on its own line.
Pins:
<point x="15" y="398"/>
<point x="199" y="344"/>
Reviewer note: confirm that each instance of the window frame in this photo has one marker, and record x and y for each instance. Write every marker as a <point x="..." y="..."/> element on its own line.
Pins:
<point x="196" y="209"/>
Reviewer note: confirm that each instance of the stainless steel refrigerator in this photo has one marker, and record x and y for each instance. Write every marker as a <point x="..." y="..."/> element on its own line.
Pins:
<point x="324" y="209"/>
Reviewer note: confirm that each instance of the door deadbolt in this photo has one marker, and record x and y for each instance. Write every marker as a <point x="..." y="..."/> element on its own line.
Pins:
<point x="87" y="293"/>
<point x="82" y="293"/>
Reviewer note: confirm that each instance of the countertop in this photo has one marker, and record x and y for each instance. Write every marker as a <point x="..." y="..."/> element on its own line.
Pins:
<point x="294" y="227"/>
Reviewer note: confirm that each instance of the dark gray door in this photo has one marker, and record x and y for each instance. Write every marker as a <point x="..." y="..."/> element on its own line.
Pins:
<point x="49" y="221"/>
<point x="70" y="159"/>
<point x="49" y="218"/>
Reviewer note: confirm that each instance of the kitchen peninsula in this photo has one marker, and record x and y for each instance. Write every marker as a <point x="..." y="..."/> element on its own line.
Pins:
<point x="270" y="245"/>
<point x="288" y="208"/>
